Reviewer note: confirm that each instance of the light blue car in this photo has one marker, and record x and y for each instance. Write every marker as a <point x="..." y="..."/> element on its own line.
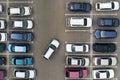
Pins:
<point x="22" y="61"/>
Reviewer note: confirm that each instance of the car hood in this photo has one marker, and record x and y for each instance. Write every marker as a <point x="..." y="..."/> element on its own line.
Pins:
<point x="32" y="73"/>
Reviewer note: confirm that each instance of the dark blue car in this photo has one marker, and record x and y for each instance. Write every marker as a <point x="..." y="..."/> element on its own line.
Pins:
<point x="108" y="22"/>
<point x="21" y="36"/>
<point x="78" y="6"/>
<point x="105" y="34"/>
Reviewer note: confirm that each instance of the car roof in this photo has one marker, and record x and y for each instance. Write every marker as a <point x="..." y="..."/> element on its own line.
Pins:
<point x="20" y="74"/>
<point x="74" y="74"/>
<point x="20" y="49"/>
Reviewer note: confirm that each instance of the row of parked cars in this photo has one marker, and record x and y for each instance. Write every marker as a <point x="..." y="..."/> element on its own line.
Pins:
<point x="77" y="64"/>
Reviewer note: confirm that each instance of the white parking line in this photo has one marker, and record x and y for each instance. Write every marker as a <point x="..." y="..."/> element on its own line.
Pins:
<point x="77" y="30"/>
<point x="20" y="2"/>
<point x="75" y="42"/>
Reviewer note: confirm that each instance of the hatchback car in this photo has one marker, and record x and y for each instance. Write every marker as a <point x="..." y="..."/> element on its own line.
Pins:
<point x="25" y="73"/>
<point x="76" y="72"/>
<point x="18" y="47"/>
<point x="3" y="36"/>
<point x="105" y="61"/>
<point x="108" y="22"/>
<point x="22" y="61"/>
<point x="107" y="6"/>
<point x="104" y="47"/>
<point x="3" y="74"/>
<point x="77" y="47"/>
<point x="78" y="6"/>
<point x="103" y="73"/>
<point x="3" y="61"/>
<point x="3" y="24"/>
<point x="77" y="61"/>
<point x="80" y="22"/>
<point x="21" y="36"/>
<point x="105" y="34"/>
<point x="2" y="47"/>
<point x="21" y="24"/>
<point x="20" y="11"/>
<point x="53" y="46"/>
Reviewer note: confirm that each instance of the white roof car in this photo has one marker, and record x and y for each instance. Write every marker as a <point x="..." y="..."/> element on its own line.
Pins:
<point x="24" y="73"/>
<point x="107" y="6"/>
<point x="21" y="11"/>
<point x="77" y="61"/>
<point x="77" y="47"/>
<point x="3" y="36"/>
<point x="51" y="49"/>
<point x="2" y="24"/>
<point x="80" y="22"/>
<point x="22" y="24"/>
<point x="105" y="61"/>
<point x="103" y="74"/>
<point x="1" y="8"/>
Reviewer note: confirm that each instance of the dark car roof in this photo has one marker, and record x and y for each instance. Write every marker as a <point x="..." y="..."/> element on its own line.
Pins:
<point x="2" y="47"/>
<point x="104" y="47"/>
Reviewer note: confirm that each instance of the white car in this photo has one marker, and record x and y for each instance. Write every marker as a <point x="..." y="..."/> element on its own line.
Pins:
<point x="105" y="61"/>
<point x="77" y="47"/>
<point x="25" y="73"/>
<point x="51" y="49"/>
<point x="103" y="74"/>
<point x="77" y="61"/>
<point x="107" y="6"/>
<point x="21" y="24"/>
<point x="1" y="8"/>
<point x="3" y="36"/>
<point x="2" y="24"/>
<point x="80" y="22"/>
<point x="20" y="11"/>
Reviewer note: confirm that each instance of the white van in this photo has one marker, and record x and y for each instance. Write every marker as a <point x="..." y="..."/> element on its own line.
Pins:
<point x="51" y="49"/>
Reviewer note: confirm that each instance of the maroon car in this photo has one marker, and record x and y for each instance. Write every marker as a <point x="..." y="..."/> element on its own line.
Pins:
<point x="76" y="72"/>
<point x="2" y="74"/>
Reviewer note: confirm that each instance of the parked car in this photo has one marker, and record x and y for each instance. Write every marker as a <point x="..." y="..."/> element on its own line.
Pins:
<point x="104" y="47"/>
<point x="105" y="61"/>
<point x="3" y="61"/>
<point x="3" y="74"/>
<point x="108" y="22"/>
<point x="103" y="74"/>
<point x="3" y="24"/>
<point x="76" y="72"/>
<point x="77" y="61"/>
<point x="21" y="36"/>
<point x="1" y="8"/>
<point x="18" y="47"/>
<point x="25" y="73"/>
<point x="80" y="22"/>
<point x="78" y="6"/>
<point x="22" y="61"/>
<point x="53" y="46"/>
<point x="21" y="24"/>
<point x="3" y="36"/>
<point x="20" y="11"/>
<point x="77" y="47"/>
<point x="2" y="47"/>
<point x="105" y="34"/>
<point x="107" y="6"/>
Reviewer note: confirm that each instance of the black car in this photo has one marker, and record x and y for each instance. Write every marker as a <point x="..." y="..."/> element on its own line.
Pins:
<point x="104" y="47"/>
<point x="108" y="22"/>
<point x="2" y="60"/>
<point x="2" y="47"/>
<point x="78" y="6"/>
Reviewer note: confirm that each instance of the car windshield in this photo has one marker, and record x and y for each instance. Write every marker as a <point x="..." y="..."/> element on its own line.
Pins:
<point x="0" y="37"/>
<point x="25" y="36"/>
<point x="81" y="73"/>
<point x="22" y="11"/>
<point x="27" y="74"/>
<point x="85" y="22"/>
<point x="82" y="62"/>
<point x="112" y="5"/>
<point x="13" y="48"/>
<point x="97" y="75"/>
<point x="108" y="74"/>
<point x="52" y="46"/>
<point x="110" y="61"/>
<point x="25" y="61"/>
<point x="84" y="48"/>
<point x="98" y="62"/>
<point x="25" y="24"/>
<point x="103" y="34"/>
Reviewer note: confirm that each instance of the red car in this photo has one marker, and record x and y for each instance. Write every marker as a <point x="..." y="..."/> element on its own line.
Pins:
<point x="76" y="72"/>
<point x="2" y="74"/>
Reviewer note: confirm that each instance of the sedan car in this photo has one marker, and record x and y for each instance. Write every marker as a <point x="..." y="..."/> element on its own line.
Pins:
<point x="53" y="46"/>
<point x="77" y="47"/>
<point x="3" y="36"/>
<point x="3" y="74"/>
<point x="108" y="22"/>
<point x="25" y="73"/>
<point x="107" y="6"/>
<point x="21" y="24"/>
<point x="1" y="8"/>
<point x="105" y="61"/>
<point x="76" y="72"/>
<point x="78" y="6"/>
<point x="104" y="47"/>
<point x="2" y="47"/>
<point x="105" y="34"/>
<point x="20" y="11"/>
<point x="3" y="24"/>
<point x="103" y="74"/>
<point x="3" y="61"/>
<point x="21" y="36"/>
<point x="18" y="47"/>
<point x="22" y="61"/>
<point x="77" y="61"/>
<point x="80" y="22"/>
